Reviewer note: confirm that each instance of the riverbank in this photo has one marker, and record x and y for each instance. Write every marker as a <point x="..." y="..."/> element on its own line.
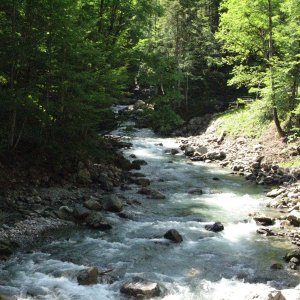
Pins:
<point x="259" y="160"/>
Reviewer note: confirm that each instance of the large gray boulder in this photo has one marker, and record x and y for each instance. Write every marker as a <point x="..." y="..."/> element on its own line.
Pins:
<point x="88" y="276"/>
<point x="174" y="236"/>
<point x="216" y="227"/>
<point x="112" y="203"/>
<point x="141" y="289"/>
<point x="95" y="220"/>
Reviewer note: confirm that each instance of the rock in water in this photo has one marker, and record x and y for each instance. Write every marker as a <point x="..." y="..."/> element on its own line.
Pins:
<point x="95" y="220"/>
<point x="291" y="254"/>
<point x="173" y="235"/>
<point x="216" y="227"/>
<point x="112" y="203"/>
<point x="195" y="191"/>
<point x="141" y="289"/>
<point x="88" y="276"/>
<point x="264" y="221"/>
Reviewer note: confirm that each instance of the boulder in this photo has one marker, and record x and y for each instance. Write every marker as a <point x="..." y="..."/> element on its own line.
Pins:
<point x="141" y="181"/>
<point x="189" y="151"/>
<point x="88" y="276"/>
<point x="95" y="220"/>
<point x="112" y="203"/>
<point x="136" y="164"/>
<point x="275" y="192"/>
<point x="265" y="231"/>
<point x="216" y="227"/>
<point x="141" y="289"/>
<point x="276" y="266"/>
<point x="195" y="191"/>
<point x="80" y="212"/>
<point x="84" y="176"/>
<point x="291" y="254"/>
<point x="151" y="193"/>
<point x="213" y="155"/>
<point x="6" y="248"/>
<point x="174" y="151"/>
<point x="92" y="204"/>
<point x="173" y="235"/>
<point x="294" y="220"/>
<point x="275" y="295"/>
<point x="264" y="221"/>
<point x="65" y="213"/>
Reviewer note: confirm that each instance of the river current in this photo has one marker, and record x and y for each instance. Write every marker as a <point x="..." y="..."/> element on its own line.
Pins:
<point x="232" y="264"/>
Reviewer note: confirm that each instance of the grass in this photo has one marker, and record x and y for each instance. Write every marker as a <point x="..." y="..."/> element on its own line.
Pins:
<point x="250" y="121"/>
<point x="293" y="162"/>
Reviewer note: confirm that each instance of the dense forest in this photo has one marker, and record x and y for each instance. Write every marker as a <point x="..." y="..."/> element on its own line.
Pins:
<point x="64" y="63"/>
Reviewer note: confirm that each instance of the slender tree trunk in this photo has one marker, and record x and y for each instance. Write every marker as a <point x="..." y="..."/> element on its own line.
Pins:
<point x="275" y="113"/>
<point x="187" y="92"/>
<point x="12" y="84"/>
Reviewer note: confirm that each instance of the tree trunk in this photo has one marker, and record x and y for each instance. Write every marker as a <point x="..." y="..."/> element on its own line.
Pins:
<point x="275" y="113"/>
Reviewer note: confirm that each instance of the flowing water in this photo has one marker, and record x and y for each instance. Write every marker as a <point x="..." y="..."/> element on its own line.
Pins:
<point x="233" y="264"/>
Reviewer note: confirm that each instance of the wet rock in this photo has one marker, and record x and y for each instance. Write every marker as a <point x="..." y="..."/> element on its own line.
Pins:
<point x="275" y="192"/>
<point x="80" y="212"/>
<point x="141" y="181"/>
<point x="195" y="191"/>
<point x="141" y="289"/>
<point x="174" y="151"/>
<point x="264" y="221"/>
<point x="95" y="220"/>
<point x="189" y="151"/>
<point x="65" y="213"/>
<point x="105" y="182"/>
<point x="215" y="155"/>
<point x="294" y="220"/>
<point x="88" y="276"/>
<point x="275" y="295"/>
<point x="276" y="266"/>
<point x="84" y="176"/>
<point x="136" y="164"/>
<point x="216" y="227"/>
<point x="291" y="254"/>
<point x="92" y="204"/>
<point x="151" y="193"/>
<point x="173" y="235"/>
<point x="216" y="178"/>
<point x="7" y="248"/>
<point x="112" y="203"/>
<point x="294" y="263"/>
<point x="265" y="231"/>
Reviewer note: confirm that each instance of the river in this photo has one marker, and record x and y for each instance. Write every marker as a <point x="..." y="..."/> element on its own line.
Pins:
<point x="232" y="264"/>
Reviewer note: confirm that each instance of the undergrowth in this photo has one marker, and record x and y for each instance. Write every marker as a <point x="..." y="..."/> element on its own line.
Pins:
<point x="250" y="121"/>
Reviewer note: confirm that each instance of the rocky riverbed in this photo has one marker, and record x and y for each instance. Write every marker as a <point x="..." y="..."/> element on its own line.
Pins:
<point x="255" y="159"/>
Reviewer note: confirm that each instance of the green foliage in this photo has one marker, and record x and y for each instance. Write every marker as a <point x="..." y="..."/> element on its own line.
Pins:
<point x="163" y="119"/>
<point x="250" y="121"/>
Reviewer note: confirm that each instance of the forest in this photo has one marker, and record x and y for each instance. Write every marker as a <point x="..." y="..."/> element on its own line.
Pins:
<point x="64" y="63"/>
<point x="149" y="149"/>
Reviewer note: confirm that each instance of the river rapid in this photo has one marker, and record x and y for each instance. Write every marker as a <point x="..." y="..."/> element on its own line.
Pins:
<point x="232" y="264"/>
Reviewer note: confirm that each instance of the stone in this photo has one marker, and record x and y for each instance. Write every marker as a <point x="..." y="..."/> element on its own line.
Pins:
<point x="112" y="203"/>
<point x="213" y="155"/>
<point x="136" y="164"/>
<point x="173" y="235"/>
<point x="276" y="266"/>
<point x="65" y="213"/>
<point x="88" y="276"/>
<point x="95" y="220"/>
<point x="195" y="191"/>
<point x="84" y="176"/>
<point x="216" y="227"/>
<point x="151" y="193"/>
<point x="291" y="254"/>
<point x="174" y="151"/>
<point x="264" y="221"/>
<point x="275" y="192"/>
<point x="141" y="181"/>
<point x="80" y="212"/>
<point x="189" y="151"/>
<point x="294" y="221"/>
<point x="275" y="295"/>
<point x="265" y="231"/>
<point x="92" y="204"/>
<point x="141" y="289"/>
